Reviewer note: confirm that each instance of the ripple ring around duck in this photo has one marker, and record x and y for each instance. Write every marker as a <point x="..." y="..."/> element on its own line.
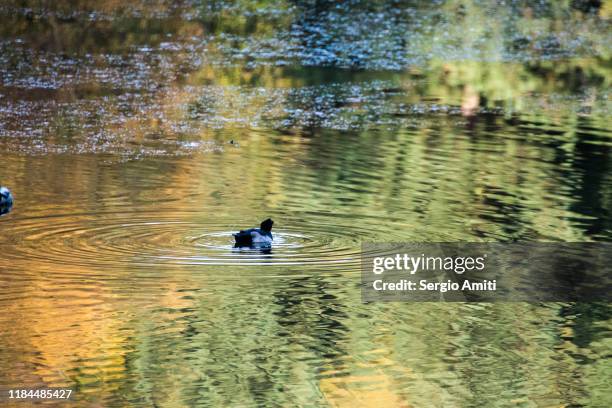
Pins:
<point x="146" y="239"/>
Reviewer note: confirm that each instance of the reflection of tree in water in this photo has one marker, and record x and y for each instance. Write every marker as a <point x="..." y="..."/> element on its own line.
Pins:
<point x="237" y="346"/>
<point x="587" y="322"/>
<point x="530" y="167"/>
<point x="310" y="314"/>
<point x="586" y="326"/>
<point x="592" y="161"/>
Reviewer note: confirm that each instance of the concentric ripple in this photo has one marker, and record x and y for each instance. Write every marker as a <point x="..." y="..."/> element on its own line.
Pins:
<point x="146" y="239"/>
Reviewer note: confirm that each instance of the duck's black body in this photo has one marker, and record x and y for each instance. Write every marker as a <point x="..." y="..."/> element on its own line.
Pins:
<point x="6" y="200"/>
<point x="255" y="237"/>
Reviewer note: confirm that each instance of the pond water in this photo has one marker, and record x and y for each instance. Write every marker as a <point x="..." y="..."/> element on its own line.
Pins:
<point x="137" y="136"/>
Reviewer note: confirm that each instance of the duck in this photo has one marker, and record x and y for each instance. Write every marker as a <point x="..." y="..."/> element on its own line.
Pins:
<point x="6" y="200"/>
<point x="255" y="237"/>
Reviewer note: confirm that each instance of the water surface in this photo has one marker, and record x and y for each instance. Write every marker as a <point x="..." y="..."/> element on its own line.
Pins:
<point x="137" y="137"/>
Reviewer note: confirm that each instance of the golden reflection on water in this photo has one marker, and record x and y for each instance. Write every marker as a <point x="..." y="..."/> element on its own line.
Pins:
<point x="117" y="338"/>
<point x="130" y="174"/>
<point x="92" y="303"/>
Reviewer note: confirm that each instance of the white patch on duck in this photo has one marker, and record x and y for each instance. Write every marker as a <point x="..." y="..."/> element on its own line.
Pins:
<point x="6" y="198"/>
<point x="261" y="239"/>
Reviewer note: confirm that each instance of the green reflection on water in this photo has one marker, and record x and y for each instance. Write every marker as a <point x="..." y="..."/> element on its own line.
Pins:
<point x="117" y="276"/>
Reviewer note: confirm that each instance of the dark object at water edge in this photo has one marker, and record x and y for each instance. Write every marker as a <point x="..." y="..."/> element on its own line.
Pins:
<point x="255" y="237"/>
<point x="6" y="200"/>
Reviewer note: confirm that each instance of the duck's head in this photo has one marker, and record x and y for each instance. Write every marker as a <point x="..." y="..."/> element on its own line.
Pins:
<point x="266" y="225"/>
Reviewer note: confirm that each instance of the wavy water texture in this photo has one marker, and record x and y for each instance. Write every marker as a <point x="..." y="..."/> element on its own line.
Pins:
<point x="138" y="136"/>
